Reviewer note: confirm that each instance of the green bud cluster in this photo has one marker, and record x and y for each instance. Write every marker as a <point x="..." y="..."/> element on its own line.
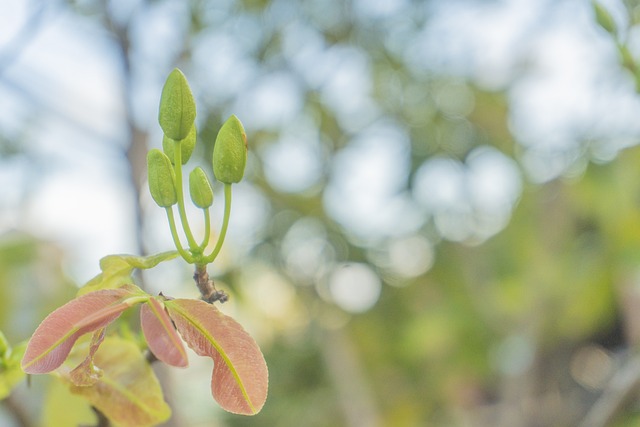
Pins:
<point x="176" y="116"/>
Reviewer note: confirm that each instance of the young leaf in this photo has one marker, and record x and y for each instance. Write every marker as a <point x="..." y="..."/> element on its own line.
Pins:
<point x="128" y="392"/>
<point x="604" y="18"/>
<point x="240" y="379"/>
<point x="117" y="270"/>
<point x="10" y="372"/>
<point x="61" y="408"/>
<point x="86" y="373"/>
<point x="164" y="342"/>
<point x="51" y="342"/>
<point x="4" y="345"/>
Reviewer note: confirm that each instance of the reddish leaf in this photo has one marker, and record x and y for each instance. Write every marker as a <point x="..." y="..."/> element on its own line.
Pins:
<point x="240" y="379"/>
<point x="51" y="342"/>
<point x="87" y="373"/>
<point x="161" y="335"/>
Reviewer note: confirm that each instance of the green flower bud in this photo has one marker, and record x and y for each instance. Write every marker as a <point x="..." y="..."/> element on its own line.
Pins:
<point x="200" y="188"/>
<point x="177" y="107"/>
<point x="604" y="18"/>
<point x="186" y="145"/>
<point x="230" y="152"/>
<point x="161" y="181"/>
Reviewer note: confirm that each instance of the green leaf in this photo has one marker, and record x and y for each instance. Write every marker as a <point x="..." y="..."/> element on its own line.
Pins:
<point x="10" y="371"/>
<point x="4" y="345"/>
<point x="62" y="408"/>
<point x="187" y="145"/>
<point x="604" y="18"/>
<point x="240" y="378"/>
<point x="177" y="107"/>
<point x="200" y="188"/>
<point x="161" y="179"/>
<point x="117" y="270"/>
<point x="230" y="152"/>
<point x="128" y="392"/>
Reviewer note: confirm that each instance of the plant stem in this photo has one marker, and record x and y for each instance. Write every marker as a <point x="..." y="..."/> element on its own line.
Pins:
<point x="176" y="239"/>
<point x="177" y="154"/>
<point x="207" y="229"/>
<point x="206" y="287"/>
<point x="225" y="224"/>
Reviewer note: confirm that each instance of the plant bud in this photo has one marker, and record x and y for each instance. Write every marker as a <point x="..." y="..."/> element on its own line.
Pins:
<point x="186" y="145"/>
<point x="200" y="188"/>
<point x="161" y="182"/>
<point x="177" y="107"/>
<point x="230" y="152"/>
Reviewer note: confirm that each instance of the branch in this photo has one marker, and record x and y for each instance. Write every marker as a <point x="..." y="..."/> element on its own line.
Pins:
<point x="616" y="395"/>
<point x="24" y="36"/>
<point x="19" y="412"/>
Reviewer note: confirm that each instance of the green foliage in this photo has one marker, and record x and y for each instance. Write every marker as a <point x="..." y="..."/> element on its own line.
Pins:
<point x="63" y="408"/>
<point x="117" y="270"/>
<point x="127" y="392"/>
<point x="604" y="18"/>
<point x="10" y="372"/>
<point x="454" y="344"/>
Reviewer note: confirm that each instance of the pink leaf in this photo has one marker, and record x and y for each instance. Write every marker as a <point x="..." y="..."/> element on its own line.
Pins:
<point x="53" y="339"/>
<point x="86" y="373"/>
<point x="240" y="379"/>
<point x="164" y="342"/>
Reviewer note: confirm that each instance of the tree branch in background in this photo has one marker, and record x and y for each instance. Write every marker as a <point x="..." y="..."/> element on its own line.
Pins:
<point x="622" y="387"/>
<point x="25" y="35"/>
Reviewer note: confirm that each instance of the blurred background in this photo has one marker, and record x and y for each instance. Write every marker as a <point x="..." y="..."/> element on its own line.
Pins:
<point x="440" y="220"/>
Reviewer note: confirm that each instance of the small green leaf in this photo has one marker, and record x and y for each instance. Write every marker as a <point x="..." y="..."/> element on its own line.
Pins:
<point x="128" y="392"/>
<point x="230" y="152"/>
<point x="161" y="179"/>
<point x="200" y="188"/>
<point x="117" y="270"/>
<point x="604" y="18"/>
<point x="187" y="146"/>
<point x="10" y="371"/>
<point x="4" y="345"/>
<point x="61" y="408"/>
<point x="177" y="107"/>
